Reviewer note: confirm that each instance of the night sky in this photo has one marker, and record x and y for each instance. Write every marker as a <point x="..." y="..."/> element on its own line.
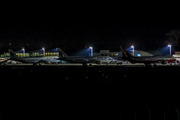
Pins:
<point x="72" y="25"/>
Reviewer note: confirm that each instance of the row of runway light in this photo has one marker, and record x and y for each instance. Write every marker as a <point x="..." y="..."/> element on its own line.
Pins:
<point x="132" y="46"/>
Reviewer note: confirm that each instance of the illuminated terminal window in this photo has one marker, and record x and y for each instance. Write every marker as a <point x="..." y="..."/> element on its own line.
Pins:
<point x="6" y="54"/>
<point x="46" y="54"/>
<point x="51" y="54"/>
<point x="26" y="54"/>
<point x="22" y="54"/>
<point x="55" y="54"/>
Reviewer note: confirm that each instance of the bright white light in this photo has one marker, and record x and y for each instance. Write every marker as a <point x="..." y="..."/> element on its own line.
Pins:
<point x="43" y="51"/>
<point x="23" y="51"/>
<point x="169" y="48"/>
<point x="91" y="50"/>
<point x="169" y="45"/>
<point x="133" y="49"/>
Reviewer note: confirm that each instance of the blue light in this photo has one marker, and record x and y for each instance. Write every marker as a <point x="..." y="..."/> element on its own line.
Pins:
<point x="82" y="52"/>
<point x="139" y="54"/>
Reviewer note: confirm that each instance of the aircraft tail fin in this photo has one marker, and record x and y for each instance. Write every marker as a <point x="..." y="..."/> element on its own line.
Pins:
<point x="125" y="52"/>
<point x="12" y="53"/>
<point x="61" y="53"/>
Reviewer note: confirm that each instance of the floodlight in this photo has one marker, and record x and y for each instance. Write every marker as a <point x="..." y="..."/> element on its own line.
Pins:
<point x="169" y="45"/>
<point x="169" y="48"/>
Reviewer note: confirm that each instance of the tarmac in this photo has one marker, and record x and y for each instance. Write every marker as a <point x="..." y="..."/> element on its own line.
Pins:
<point x="94" y="92"/>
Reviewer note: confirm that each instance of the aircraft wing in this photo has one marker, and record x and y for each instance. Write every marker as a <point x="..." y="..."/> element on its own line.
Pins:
<point x="132" y="59"/>
<point x="34" y="61"/>
<point x="4" y="62"/>
<point x="82" y="60"/>
<point x="139" y="60"/>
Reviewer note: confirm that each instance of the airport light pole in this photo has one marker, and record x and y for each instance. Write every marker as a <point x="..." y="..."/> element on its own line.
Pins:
<point x="43" y="51"/>
<point x="169" y="48"/>
<point x="91" y="50"/>
<point x="133" y="49"/>
<point x="23" y="52"/>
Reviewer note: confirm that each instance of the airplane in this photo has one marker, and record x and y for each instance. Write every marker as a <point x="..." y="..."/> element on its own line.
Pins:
<point x="147" y="60"/>
<point x="177" y="56"/>
<point x="34" y="60"/>
<point x="3" y="61"/>
<point x="119" y="60"/>
<point x="84" y="60"/>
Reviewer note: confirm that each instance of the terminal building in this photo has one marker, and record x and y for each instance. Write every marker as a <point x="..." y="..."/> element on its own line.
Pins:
<point x="36" y="53"/>
<point x="137" y="53"/>
<point x="54" y="52"/>
<point x="4" y="54"/>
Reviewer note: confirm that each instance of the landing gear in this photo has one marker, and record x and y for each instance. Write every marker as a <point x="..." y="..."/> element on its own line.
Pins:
<point x="164" y="62"/>
<point x="2" y="63"/>
<point x="90" y="64"/>
<point x="150" y="65"/>
<point x="84" y="64"/>
<point x="34" y="63"/>
<point x="153" y="65"/>
<point x="37" y="63"/>
<point x="146" y="65"/>
<point x="119" y="63"/>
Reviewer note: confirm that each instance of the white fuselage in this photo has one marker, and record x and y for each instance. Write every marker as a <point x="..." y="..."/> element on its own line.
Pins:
<point x="104" y="59"/>
<point x="177" y="56"/>
<point x="81" y="59"/>
<point x="37" y="59"/>
<point x="2" y="59"/>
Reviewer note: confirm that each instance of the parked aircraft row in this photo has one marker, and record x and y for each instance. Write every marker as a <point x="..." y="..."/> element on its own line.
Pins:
<point x="62" y="57"/>
<point x="85" y="60"/>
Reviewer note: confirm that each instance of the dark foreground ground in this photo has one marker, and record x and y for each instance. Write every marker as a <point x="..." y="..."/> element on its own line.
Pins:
<point x="95" y="93"/>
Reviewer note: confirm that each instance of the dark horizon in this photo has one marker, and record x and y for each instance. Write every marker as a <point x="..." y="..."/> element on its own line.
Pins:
<point x="72" y="27"/>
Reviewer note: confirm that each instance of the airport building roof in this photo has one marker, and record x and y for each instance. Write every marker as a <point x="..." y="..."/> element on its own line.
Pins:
<point x="136" y="53"/>
<point x="141" y="53"/>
